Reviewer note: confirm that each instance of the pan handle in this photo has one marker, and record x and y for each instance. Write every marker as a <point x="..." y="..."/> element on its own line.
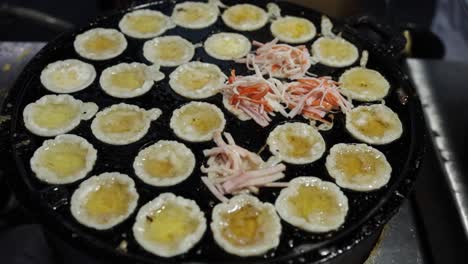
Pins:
<point x="383" y="39"/>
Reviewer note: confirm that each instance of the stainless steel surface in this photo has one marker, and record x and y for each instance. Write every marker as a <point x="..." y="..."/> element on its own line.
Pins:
<point x="450" y="25"/>
<point x="426" y="75"/>
<point x="400" y="242"/>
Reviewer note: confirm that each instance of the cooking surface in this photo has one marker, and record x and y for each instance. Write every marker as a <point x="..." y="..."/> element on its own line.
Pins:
<point x="400" y="230"/>
<point x="404" y="240"/>
<point x="293" y="241"/>
<point x="36" y="88"/>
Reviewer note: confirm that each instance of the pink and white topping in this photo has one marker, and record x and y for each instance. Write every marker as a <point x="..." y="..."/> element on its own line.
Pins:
<point x="255" y="96"/>
<point x="232" y="169"/>
<point x="314" y="98"/>
<point x="279" y="60"/>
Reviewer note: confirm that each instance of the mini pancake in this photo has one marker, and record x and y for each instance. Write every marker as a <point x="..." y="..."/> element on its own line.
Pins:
<point x="164" y="163"/>
<point x="197" y="121"/>
<point x="245" y="17"/>
<point x="168" y="51"/>
<point x="195" y="15"/>
<point x="296" y="143"/>
<point x="245" y="226"/>
<point x="374" y="124"/>
<point x="67" y="76"/>
<point x="312" y="205"/>
<point x="291" y="29"/>
<point x="169" y="225"/>
<point x="197" y="80"/>
<point x="334" y="52"/>
<point x="145" y="23"/>
<point x="53" y="115"/>
<point x="122" y="124"/>
<point x="104" y="201"/>
<point x="227" y="46"/>
<point x="358" y="167"/>
<point x="128" y="80"/>
<point x="64" y="159"/>
<point x="364" y="84"/>
<point x="100" y="44"/>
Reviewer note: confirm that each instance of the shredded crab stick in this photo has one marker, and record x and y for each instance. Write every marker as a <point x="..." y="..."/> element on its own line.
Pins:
<point x="254" y="95"/>
<point x="314" y="98"/>
<point x="232" y="169"/>
<point x="279" y="60"/>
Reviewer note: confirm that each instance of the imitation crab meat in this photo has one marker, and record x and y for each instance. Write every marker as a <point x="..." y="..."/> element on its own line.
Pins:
<point x="232" y="169"/>
<point x="279" y="60"/>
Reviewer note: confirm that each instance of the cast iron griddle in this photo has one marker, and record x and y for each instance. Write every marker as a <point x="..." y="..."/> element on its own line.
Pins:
<point x="368" y="211"/>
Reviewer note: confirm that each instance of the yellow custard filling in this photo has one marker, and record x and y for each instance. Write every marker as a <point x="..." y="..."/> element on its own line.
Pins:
<point x="146" y="23"/>
<point x="202" y="119"/>
<point x="228" y="46"/>
<point x="65" y="77"/>
<point x="161" y="168"/>
<point x="355" y="163"/>
<point x="297" y="145"/>
<point x="314" y="204"/>
<point x="64" y="159"/>
<point x="122" y="121"/>
<point x="335" y="48"/>
<point x="244" y="15"/>
<point x="373" y="126"/>
<point x="364" y="80"/>
<point x="54" y="115"/>
<point x="196" y="78"/>
<point x="170" y="50"/>
<point x="170" y="224"/>
<point x="99" y="43"/>
<point x="109" y="200"/>
<point x="244" y="226"/>
<point x="293" y="28"/>
<point x="129" y="79"/>
<point x="192" y="14"/>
